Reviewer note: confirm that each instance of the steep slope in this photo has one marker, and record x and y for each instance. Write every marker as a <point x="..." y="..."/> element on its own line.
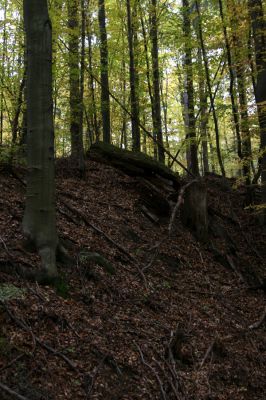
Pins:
<point x="183" y="329"/>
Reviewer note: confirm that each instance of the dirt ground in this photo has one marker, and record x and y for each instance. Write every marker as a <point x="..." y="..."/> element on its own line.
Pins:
<point x="190" y="327"/>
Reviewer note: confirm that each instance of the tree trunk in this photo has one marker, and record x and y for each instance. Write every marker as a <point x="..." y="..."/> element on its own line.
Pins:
<point x="39" y="222"/>
<point x="133" y="92"/>
<point x="91" y="82"/>
<point x="105" y="99"/>
<point x="82" y="65"/>
<point x="3" y="75"/>
<point x="157" y="120"/>
<point x="232" y="83"/>
<point x="15" y="122"/>
<point x="189" y="90"/>
<point x="259" y="35"/>
<point x="145" y="43"/>
<point x="204" y="115"/>
<point x="242" y="93"/>
<point x="77" y="152"/>
<point x="206" y="65"/>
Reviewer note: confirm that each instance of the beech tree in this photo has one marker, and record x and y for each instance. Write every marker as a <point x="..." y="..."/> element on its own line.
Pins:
<point x="259" y="37"/>
<point x="133" y="81"/>
<point x="189" y="92"/>
<point x="156" y="50"/>
<point x="157" y="119"/>
<point x="39" y="221"/>
<point x="75" y="95"/>
<point x="105" y="98"/>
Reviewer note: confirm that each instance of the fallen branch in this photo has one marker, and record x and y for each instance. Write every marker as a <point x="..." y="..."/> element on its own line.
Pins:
<point x="153" y="371"/>
<point x="12" y="392"/>
<point x="107" y="237"/>
<point x="36" y="339"/>
<point x="178" y="204"/>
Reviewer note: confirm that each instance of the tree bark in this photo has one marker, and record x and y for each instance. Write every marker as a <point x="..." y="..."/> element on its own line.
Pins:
<point x="15" y="122"/>
<point x="242" y="94"/>
<point x="133" y="91"/>
<point x="91" y="83"/>
<point x="206" y="65"/>
<point x="105" y="99"/>
<point x="148" y="75"/>
<point x="157" y="120"/>
<point x="75" y="101"/>
<point x="232" y="83"/>
<point x="259" y="36"/>
<point x="204" y="115"/>
<point x="189" y="90"/>
<point x="39" y="221"/>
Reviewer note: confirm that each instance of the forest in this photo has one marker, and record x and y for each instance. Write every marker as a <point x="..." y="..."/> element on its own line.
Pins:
<point x="132" y="199"/>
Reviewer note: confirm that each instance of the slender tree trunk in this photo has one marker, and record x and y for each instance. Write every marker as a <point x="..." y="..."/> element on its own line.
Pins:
<point x="82" y="65"/>
<point x="259" y="36"/>
<point x="207" y="72"/>
<point x="235" y="111"/>
<point x="145" y="42"/>
<point x="77" y="151"/>
<point x="39" y="222"/>
<point x="4" y="50"/>
<point x="124" y="96"/>
<point x="242" y="94"/>
<point x="157" y="121"/>
<point x="204" y="115"/>
<point x="133" y="92"/>
<point x="15" y="122"/>
<point x="164" y="98"/>
<point x="244" y="122"/>
<point x="189" y="90"/>
<point x="105" y="98"/>
<point x="91" y="83"/>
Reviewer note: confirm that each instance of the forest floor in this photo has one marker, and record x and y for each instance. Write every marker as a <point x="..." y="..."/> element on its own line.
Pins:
<point x="191" y="328"/>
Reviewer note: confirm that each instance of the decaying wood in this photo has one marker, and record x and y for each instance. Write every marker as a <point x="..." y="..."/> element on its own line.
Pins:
<point x="194" y="214"/>
<point x="132" y="163"/>
<point x="152" y="217"/>
<point x="153" y="198"/>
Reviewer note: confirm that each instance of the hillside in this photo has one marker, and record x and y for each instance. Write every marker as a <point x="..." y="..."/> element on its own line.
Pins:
<point x="189" y="327"/>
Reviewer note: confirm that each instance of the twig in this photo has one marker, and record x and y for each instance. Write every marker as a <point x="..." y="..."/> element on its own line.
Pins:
<point x="5" y="248"/>
<point x="174" y="389"/>
<point x="170" y="225"/>
<point x="208" y="352"/>
<point x="153" y="371"/>
<point x="178" y="204"/>
<point x="94" y="376"/>
<point x="36" y="339"/>
<point x="13" y="362"/>
<point x="107" y="237"/>
<point x="257" y="324"/>
<point x="12" y="392"/>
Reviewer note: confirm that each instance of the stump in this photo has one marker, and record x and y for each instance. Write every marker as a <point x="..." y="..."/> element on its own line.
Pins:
<point x="194" y="214"/>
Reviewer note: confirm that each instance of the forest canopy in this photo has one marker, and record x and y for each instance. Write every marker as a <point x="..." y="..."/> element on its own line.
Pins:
<point x="184" y="71"/>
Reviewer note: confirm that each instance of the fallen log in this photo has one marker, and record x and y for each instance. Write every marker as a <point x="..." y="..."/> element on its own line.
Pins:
<point x="132" y="163"/>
